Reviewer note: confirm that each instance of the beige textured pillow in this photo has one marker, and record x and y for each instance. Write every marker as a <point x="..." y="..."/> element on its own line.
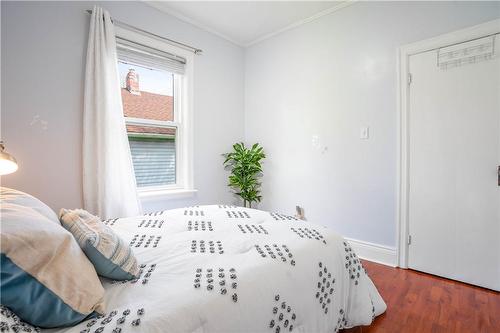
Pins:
<point x="111" y="256"/>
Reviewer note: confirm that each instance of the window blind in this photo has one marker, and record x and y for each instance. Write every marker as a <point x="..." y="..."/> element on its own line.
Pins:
<point x="154" y="161"/>
<point x="145" y="56"/>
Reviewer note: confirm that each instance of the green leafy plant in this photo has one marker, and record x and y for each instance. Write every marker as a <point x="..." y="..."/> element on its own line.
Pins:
<point x="246" y="169"/>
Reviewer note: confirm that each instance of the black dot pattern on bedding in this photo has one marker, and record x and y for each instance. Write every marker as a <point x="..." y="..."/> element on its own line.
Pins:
<point x="252" y="228"/>
<point x="112" y="318"/>
<point x="151" y="223"/>
<point x="325" y="287"/>
<point x="341" y="321"/>
<point x="145" y="241"/>
<point x="221" y="280"/>
<point x="373" y="310"/>
<point x="227" y="206"/>
<point x="155" y="213"/>
<point x="207" y="247"/>
<point x="282" y="217"/>
<point x="145" y="273"/>
<point x="352" y="264"/>
<point x="109" y="318"/>
<point x="110" y="222"/>
<point x="199" y="225"/>
<point x="237" y="214"/>
<point x="9" y="321"/>
<point x="283" y="317"/>
<point x="91" y="322"/>
<point x="309" y="234"/>
<point x="194" y="212"/>
<point x="277" y="252"/>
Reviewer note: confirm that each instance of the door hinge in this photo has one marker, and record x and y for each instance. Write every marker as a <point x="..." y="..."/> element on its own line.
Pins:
<point x="409" y="78"/>
<point x="409" y="239"/>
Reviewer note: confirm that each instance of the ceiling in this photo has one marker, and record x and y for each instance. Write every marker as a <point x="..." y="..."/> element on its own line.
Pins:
<point x="247" y="22"/>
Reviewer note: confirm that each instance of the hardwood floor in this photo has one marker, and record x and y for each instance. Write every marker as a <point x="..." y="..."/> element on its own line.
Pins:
<point x="419" y="302"/>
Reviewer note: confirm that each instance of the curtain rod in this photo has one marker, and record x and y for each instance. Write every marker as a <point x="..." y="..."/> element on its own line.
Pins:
<point x="147" y="33"/>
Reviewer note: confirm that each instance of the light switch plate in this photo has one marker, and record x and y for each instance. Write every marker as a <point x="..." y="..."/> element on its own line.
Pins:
<point x="364" y="133"/>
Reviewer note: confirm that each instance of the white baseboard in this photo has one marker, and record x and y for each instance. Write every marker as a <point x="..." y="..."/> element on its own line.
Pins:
<point x="374" y="252"/>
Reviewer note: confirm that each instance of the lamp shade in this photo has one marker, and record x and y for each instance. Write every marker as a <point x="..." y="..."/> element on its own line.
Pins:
<point x="8" y="163"/>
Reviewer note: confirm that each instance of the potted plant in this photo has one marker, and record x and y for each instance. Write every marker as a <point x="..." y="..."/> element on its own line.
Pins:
<point x="246" y="169"/>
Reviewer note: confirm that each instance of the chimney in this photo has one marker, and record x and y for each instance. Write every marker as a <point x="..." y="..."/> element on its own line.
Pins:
<point x="132" y="82"/>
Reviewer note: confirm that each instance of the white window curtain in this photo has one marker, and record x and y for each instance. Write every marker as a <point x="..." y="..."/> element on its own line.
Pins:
<point x="109" y="185"/>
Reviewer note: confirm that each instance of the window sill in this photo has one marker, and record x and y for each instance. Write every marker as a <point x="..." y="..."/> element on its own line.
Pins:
<point x="165" y="194"/>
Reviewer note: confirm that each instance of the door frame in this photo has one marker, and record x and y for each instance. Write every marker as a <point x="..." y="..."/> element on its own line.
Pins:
<point x="403" y="172"/>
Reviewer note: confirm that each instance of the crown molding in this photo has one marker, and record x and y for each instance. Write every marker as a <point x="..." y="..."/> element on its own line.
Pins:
<point x="157" y="5"/>
<point x="296" y="24"/>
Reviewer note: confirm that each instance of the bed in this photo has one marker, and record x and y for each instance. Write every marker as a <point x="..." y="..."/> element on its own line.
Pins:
<point x="232" y="269"/>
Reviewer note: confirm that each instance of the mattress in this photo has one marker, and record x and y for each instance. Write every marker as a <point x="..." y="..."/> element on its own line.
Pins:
<point x="232" y="269"/>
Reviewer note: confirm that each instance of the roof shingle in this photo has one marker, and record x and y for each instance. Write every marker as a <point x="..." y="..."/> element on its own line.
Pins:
<point x="148" y="106"/>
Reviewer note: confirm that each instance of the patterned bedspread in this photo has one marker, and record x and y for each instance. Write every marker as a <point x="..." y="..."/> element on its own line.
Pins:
<point x="231" y="269"/>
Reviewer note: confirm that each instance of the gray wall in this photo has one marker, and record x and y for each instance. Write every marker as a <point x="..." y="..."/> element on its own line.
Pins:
<point x="43" y="59"/>
<point x="329" y="78"/>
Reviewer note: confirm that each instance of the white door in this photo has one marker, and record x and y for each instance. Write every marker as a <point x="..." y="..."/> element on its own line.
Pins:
<point x="454" y="156"/>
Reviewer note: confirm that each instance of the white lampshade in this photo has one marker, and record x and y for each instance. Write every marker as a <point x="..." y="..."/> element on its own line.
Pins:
<point x="8" y="163"/>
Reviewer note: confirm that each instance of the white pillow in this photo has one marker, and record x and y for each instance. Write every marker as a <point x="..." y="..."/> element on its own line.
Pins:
<point x="8" y="195"/>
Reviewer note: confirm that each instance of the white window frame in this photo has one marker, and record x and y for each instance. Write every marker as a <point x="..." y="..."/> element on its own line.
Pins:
<point x="183" y="101"/>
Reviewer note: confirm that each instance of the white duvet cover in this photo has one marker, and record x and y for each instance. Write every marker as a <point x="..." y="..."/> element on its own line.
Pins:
<point x="231" y="269"/>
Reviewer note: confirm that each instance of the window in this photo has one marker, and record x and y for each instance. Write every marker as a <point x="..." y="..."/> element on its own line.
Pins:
<point x="155" y="92"/>
<point x="148" y="107"/>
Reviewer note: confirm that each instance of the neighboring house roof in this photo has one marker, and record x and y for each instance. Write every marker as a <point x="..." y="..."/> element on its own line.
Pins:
<point x="148" y="106"/>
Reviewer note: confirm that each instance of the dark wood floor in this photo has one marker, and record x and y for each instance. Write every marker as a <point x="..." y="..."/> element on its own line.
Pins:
<point x="418" y="302"/>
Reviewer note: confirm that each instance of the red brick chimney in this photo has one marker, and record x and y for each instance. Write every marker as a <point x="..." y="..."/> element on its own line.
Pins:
<point x="132" y="82"/>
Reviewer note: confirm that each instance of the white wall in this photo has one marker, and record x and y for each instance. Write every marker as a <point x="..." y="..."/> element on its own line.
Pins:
<point x="329" y="78"/>
<point x="326" y="78"/>
<point x="43" y="58"/>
